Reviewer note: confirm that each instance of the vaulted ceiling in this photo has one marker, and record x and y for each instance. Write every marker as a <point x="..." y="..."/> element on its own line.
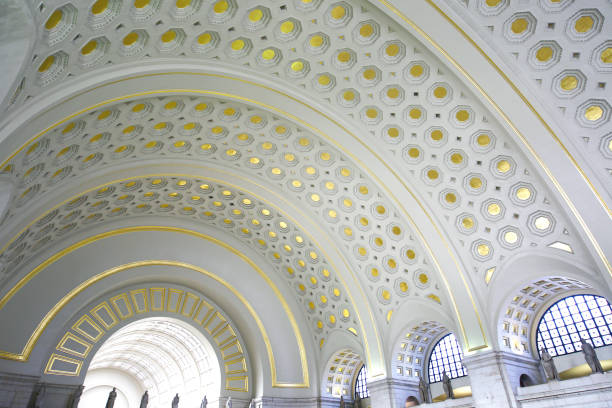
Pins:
<point x="278" y="123"/>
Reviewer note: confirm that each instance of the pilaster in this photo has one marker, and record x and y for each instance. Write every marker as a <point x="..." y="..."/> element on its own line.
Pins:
<point x="391" y="393"/>
<point x="16" y="391"/>
<point x="495" y="376"/>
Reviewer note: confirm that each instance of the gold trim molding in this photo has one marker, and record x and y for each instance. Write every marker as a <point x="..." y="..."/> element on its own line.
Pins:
<point x="231" y="176"/>
<point x="340" y="147"/>
<point x="200" y="313"/>
<point x="506" y="118"/>
<point x="521" y="137"/>
<point x="42" y="325"/>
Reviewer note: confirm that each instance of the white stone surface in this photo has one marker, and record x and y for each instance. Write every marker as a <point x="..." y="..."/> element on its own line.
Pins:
<point x="593" y="391"/>
<point x="467" y="402"/>
<point x="489" y="379"/>
<point x="493" y="376"/>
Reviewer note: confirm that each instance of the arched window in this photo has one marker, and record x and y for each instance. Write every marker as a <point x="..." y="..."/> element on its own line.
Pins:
<point x="446" y="356"/>
<point x="572" y="318"/>
<point x="161" y="355"/>
<point x="361" y="386"/>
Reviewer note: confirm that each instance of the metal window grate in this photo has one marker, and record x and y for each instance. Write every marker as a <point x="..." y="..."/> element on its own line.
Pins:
<point x="446" y="356"/>
<point x="572" y="318"/>
<point x="361" y="385"/>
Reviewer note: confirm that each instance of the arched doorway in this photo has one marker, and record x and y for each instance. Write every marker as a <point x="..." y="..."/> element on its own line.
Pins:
<point x="161" y="355"/>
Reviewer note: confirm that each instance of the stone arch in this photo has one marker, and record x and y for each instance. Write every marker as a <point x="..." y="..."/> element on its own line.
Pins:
<point x="89" y="330"/>
<point x="525" y="380"/>
<point x="411" y="356"/>
<point x="274" y="366"/>
<point x="300" y="262"/>
<point x="164" y="356"/>
<point x="422" y="278"/>
<point x="474" y="254"/>
<point x="411" y="351"/>
<point x="340" y="372"/>
<point x="547" y="277"/>
<point x="521" y="311"/>
<point x="432" y="321"/>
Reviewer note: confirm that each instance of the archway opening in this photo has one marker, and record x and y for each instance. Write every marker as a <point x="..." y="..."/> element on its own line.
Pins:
<point x="526" y="381"/>
<point x="341" y="373"/>
<point x="160" y="355"/>
<point x="517" y="315"/>
<point x="446" y="357"/>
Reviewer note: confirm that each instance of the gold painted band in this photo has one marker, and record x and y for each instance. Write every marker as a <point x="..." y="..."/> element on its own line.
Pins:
<point x="371" y="173"/>
<point x="31" y="343"/>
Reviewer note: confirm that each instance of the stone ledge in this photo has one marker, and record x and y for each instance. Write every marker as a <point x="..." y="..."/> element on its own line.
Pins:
<point x="466" y="402"/>
<point x="483" y="359"/>
<point x="593" y="384"/>
<point x="314" y="402"/>
<point x="394" y="382"/>
<point x="20" y="378"/>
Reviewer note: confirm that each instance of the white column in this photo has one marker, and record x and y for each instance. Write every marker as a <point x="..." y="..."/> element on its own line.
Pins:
<point x="391" y="393"/>
<point x="495" y="375"/>
<point x="58" y="395"/>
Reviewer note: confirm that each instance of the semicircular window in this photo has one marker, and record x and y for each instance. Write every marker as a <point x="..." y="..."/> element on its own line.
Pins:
<point x="361" y="385"/>
<point x="446" y="357"/>
<point x="572" y="318"/>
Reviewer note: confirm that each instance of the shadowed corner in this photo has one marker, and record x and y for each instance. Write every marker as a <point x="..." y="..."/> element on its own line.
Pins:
<point x="16" y="33"/>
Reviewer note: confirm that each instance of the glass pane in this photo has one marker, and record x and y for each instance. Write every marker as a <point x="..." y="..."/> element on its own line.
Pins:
<point x="570" y="319"/>
<point x="446" y="356"/>
<point x="361" y="386"/>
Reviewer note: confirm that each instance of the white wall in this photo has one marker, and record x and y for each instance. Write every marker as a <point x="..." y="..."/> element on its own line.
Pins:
<point x="99" y="383"/>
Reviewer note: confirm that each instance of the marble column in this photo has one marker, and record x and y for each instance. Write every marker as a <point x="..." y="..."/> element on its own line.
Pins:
<point x="495" y="376"/>
<point x="391" y="393"/>
<point x="16" y="391"/>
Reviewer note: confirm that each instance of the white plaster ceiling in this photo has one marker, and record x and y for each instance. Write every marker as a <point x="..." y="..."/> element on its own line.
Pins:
<point x="562" y="50"/>
<point x="409" y="108"/>
<point x="165" y="358"/>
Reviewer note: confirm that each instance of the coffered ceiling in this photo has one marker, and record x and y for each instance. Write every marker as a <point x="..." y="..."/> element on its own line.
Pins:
<point x="414" y="123"/>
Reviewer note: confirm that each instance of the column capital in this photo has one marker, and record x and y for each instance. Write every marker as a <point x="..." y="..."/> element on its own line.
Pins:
<point x="495" y="376"/>
<point x="387" y="382"/>
<point x="488" y="357"/>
